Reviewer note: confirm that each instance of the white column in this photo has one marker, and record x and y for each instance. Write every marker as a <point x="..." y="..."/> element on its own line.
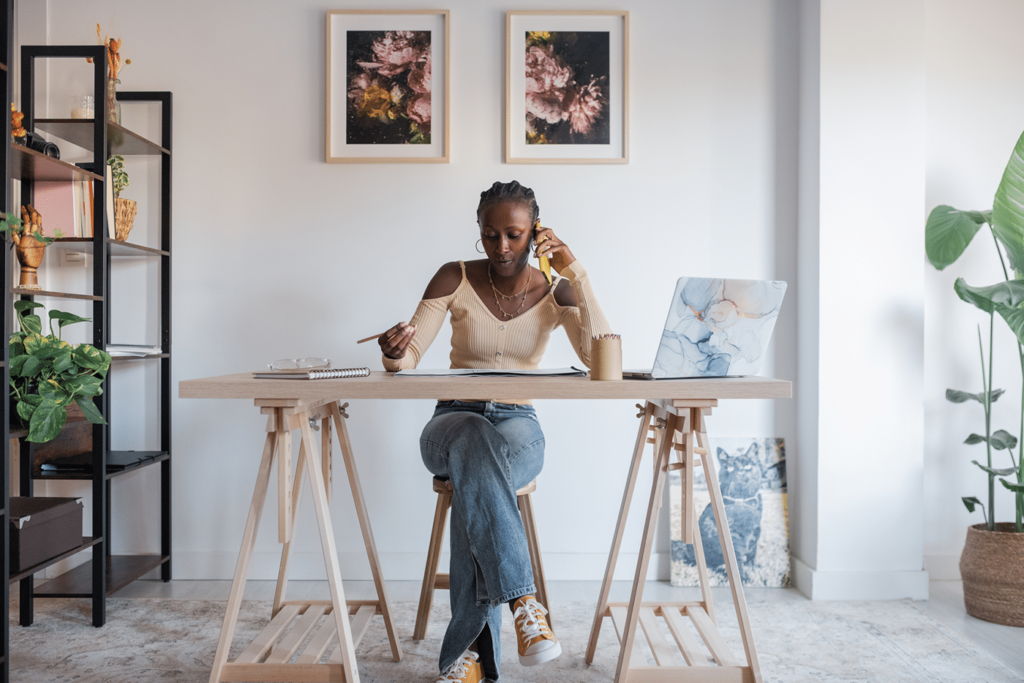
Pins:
<point x="859" y="386"/>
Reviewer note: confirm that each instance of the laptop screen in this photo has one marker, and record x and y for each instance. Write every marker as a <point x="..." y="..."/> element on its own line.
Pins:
<point x="718" y="327"/>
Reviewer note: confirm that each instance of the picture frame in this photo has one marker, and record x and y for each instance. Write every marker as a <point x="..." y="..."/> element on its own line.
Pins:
<point x="387" y="88"/>
<point x="567" y="87"/>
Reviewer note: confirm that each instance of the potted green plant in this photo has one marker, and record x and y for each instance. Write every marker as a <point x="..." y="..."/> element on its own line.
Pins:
<point x="48" y="374"/>
<point x="992" y="563"/>
<point x="124" y="209"/>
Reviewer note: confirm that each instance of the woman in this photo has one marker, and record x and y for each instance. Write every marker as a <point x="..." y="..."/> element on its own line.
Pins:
<point x="503" y="312"/>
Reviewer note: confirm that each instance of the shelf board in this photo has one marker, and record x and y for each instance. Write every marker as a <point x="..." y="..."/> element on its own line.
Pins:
<point x="117" y="247"/>
<point x="121" y="571"/>
<point x="154" y="356"/>
<point x="121" y="457"/>
<point x="120" y="140"/>
<point x="18" y="291"/>
<point x="28" y="164"/>
<point x="87" y="542"/>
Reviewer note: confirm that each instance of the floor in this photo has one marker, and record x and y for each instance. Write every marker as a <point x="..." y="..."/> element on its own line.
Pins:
<point x="945" y="605"/>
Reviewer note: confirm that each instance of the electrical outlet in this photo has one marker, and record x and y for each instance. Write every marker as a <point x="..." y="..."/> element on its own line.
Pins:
<point x="72" y="258"/>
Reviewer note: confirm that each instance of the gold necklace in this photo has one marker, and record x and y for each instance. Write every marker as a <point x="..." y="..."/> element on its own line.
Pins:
<point x="497" y="294"/>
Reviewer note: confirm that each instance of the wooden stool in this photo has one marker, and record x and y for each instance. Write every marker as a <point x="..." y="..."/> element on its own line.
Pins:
<point x="433" y="579"/>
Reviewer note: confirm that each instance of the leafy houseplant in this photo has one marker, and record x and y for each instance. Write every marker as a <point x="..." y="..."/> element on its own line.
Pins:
<point x="48" y="374"/>
<point x="993" y="558"/>
<point x="124" y="209"/>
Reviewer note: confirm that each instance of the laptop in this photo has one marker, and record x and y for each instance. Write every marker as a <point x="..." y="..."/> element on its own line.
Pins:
<point x="715" y="328"/>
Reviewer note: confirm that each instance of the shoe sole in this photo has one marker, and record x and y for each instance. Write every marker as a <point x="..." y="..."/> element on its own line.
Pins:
<point x="542" y="656"/>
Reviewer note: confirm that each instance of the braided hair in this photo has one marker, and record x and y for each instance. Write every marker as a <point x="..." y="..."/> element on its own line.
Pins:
<point x="508" y="192"/>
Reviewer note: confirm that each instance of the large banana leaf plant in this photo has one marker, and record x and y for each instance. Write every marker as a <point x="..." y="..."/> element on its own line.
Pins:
<point x="948" y="232"/>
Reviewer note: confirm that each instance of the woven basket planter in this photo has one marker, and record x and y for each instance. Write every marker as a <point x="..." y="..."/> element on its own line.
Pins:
<point x="124" y="216"/>
<point x="992" y="568"/>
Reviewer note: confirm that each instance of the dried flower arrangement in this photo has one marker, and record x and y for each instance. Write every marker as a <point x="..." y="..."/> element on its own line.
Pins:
<point x="113" y="46"/>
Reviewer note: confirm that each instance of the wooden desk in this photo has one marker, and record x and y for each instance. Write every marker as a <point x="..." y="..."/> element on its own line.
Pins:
<point x="672" y="419"/>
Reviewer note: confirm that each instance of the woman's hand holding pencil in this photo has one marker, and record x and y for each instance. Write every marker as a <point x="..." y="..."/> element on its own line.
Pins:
<point x="395" y="341"/>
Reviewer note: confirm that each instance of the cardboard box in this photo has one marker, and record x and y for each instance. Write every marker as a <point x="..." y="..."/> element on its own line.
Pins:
<point x="42" y="528"/>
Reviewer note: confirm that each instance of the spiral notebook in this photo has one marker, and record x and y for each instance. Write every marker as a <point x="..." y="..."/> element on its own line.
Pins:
<point x="334" y="373"/>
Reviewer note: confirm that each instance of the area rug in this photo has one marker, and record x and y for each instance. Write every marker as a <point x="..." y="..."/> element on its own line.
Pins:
<point x="162" y="640"/>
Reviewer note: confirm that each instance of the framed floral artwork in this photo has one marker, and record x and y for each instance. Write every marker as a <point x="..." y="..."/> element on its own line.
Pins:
<point x="567" y="87"/>
<point x="387" y="86"/>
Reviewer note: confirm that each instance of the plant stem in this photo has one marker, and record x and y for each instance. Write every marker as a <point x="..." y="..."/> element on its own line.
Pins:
<point x="1020" y="457"/>
<point x="988" y="425"/>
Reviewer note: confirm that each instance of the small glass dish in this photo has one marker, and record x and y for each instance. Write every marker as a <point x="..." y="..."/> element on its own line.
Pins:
<point x="82" y="106"/>
<point x="293" y="364"/>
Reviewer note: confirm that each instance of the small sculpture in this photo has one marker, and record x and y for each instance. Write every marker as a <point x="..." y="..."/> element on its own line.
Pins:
<point x="29" y="249"/>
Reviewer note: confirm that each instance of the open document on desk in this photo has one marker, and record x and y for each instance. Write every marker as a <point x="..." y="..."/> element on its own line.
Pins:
<point x="470" y="372"/>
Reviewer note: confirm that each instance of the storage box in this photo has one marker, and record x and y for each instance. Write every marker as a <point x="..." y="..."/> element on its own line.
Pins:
<point x="42" y="528"/>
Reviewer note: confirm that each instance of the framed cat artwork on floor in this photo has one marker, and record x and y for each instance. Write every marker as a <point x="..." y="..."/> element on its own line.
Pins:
<point x="752" y="475"/>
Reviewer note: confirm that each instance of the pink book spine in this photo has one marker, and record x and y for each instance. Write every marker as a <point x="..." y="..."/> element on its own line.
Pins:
<point x="55" y="202"/>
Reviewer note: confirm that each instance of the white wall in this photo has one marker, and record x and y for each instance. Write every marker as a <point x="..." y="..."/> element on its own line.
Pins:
<point x="277" y="254"/>
<point x="975" y="115"/>
<point x="866" y="417"/>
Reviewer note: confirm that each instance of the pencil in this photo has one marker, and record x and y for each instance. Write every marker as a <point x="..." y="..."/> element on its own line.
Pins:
<point x="369" y="338"/>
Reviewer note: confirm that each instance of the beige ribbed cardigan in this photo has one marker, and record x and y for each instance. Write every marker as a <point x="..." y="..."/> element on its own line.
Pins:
<point x="479" y="340"/>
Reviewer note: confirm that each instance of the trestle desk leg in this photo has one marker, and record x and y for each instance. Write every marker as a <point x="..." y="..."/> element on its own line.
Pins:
<point x="259" y="496"/>
<point x="323" y="514"/>
<point x="286" y="550"/>
<point x="731" y="566"/>
<point x="620" y="528"/>
<point x="628" y="635"/>
<point x="364" y="525"/>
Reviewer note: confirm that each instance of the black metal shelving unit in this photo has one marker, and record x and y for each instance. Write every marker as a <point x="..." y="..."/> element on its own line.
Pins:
<point x="97" y="579"/>
<point x="6" y="53"/>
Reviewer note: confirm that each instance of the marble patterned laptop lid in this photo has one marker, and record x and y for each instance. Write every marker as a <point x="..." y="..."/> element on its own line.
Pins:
<point x="718" y="327"/>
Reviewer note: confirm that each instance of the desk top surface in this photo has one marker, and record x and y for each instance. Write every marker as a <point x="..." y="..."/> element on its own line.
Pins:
<point x="386" y="385"/>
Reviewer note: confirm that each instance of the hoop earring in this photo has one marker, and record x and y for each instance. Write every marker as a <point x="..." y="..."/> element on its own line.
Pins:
<point x="480" y="243"/>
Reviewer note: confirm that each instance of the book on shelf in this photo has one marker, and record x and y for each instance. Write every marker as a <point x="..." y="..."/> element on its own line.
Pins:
<point x="66" y="206"/>
<point x="132" y="350"/>
<point x="332" y="373"/>
<point x="108" y="202"/>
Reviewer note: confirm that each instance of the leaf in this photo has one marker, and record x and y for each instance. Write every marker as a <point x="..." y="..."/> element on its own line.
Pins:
<point x="35" y="342"/>
<point x="971" y="502"/>
<point x="998" y="473"/>
<point x="21" y="305"/>
<point x="956" y="396"/>
<point x="32" y="323"/>
<point x="1014" y="318"/>
<point x="67" y="318"/>
<point x="31" y="367"/>
<point x="17" y="362"/>
<point x="86" y="385"/>
<point x="1002" y="440"/>
<point x="33" y="399"/>
<point x="1008" y="208"/>
<point x="25" y="410"/>
<point x="63" y="362"/>
<point x="91" y="412"/>
<point x="47" y="421"/>
<point x="948" y="232"/>
<point x="90" y="357"/>
<point x="1013" y="486"/>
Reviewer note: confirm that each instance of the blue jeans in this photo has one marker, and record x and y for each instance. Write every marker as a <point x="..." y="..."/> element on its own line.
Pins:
<point x="488" y="451"/>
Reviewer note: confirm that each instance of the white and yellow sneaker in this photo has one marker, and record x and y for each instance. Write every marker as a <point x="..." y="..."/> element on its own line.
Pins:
<point x="537" y="644"/>
<point x="466" y="669"/>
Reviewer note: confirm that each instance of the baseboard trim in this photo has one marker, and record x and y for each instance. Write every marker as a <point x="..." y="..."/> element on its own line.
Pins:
<point x="309" y="566"/>
<point x="891" y="585"/>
